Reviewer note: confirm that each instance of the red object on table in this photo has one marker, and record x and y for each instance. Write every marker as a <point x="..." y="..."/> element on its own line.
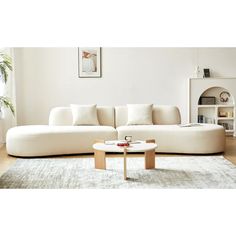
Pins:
<point x="123" y="144"/>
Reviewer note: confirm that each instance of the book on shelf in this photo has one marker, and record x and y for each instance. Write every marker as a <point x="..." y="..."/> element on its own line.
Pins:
<point x="201" y="119"/>
<point x="204" y="119"/>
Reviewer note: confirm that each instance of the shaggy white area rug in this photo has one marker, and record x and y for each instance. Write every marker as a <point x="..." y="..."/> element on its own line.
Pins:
<point x="170" y="172"/>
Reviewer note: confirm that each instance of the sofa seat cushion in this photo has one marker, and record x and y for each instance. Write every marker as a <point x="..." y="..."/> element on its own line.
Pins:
<point x="206" y="138"/>
<point x="44" y="140"/>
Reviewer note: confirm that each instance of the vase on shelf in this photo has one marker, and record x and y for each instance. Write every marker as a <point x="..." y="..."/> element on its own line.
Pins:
<point x="197" y="72"/>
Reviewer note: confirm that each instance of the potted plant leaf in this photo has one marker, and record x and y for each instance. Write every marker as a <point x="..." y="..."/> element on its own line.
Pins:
<point x="5" y="67"/>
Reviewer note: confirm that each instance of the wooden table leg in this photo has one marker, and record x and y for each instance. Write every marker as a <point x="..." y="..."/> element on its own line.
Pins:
<point x="125" y="166"/>
<point x="100" y="157"/>
<point x="150" y="157"/>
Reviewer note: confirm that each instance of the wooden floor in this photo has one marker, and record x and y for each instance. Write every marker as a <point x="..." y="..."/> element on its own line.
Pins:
<point x="6" y="161"/>
<point x="230" y="151"/>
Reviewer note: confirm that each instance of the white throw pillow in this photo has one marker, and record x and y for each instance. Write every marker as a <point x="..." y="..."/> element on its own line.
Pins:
<point x="139" y="114"/>
<point x="84" y="114"/>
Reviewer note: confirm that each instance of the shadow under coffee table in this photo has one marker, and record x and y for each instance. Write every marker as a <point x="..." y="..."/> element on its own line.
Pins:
<point x="148" y="147"/>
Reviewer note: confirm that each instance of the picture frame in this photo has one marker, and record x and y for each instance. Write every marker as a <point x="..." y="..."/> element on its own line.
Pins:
<point x="206" y="73"/>
<point x="89" y="62"/>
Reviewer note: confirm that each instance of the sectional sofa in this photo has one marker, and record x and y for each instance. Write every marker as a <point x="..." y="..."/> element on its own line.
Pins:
<point x="60" y="137"/>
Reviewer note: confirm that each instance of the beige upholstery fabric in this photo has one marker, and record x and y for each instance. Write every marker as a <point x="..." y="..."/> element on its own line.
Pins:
<point x="60" y="137"/>
<point x="205" y="139"/>
<point x="161" y="115"/>
<point x="44" y="140"/>
<point x="166" y="115"/>
<point x="63" y="116"/>
<point x="106" y="115"/>
<point x="84" y="114"/>
<point x="121" y="115"/>
<point x="139" y="114"/>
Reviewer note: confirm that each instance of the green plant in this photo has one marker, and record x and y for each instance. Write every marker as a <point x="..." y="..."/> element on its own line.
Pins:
<point x="5" y="66"/>
<point x="5" y="101"/>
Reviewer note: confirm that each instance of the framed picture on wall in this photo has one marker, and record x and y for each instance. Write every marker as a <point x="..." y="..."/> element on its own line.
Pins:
<point x="90" y="62"/>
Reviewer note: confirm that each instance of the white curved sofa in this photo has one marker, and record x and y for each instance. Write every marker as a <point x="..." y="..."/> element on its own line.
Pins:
<point x="169" y="136"/>
<point x="61" y="137"/>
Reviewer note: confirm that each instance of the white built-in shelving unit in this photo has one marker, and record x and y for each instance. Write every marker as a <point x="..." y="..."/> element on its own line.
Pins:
<point x="212" y="113"/>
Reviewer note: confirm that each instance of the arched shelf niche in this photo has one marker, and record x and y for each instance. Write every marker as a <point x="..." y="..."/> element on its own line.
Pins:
<point x="215" y="92"/>
<point x="212" y="109"/>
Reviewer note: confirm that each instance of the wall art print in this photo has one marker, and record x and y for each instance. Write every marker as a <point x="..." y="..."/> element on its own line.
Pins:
<point x="90" y="62"/>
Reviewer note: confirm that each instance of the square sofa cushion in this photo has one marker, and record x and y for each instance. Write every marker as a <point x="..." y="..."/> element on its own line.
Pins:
<point x="84" y="114"/>
<point x="139" y="114"/>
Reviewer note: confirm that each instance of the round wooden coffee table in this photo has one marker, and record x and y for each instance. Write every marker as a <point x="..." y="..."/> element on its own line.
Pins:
<point x="148" y="147"/>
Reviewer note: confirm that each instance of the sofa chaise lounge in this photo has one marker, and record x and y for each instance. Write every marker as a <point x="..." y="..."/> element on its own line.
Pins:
<point x="60" y="137"/>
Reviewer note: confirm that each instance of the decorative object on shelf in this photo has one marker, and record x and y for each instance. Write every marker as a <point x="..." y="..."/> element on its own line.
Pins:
<point x="197" y="72"/>
<point x="5" y="67"/>
<point x="225" y="125"/>
<point x="206" y="73"/>
<point x="222" y="114"/>
<point x="200" y="119"/>
<point x="230" y="114"/>
<point x="90" y="62"/>
<point x="203" y="119"/>
<point x="210" y="120"/>
<point x="207" y="100"/>
<point x="224" y="96"/>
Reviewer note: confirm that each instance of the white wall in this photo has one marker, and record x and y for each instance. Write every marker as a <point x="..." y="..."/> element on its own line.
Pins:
<point x="48" y="77"/>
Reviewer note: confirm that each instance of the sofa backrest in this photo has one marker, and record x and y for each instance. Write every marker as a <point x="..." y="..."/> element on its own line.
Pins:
<point x="63" y="116"/>
<point x="161" y="115"/>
